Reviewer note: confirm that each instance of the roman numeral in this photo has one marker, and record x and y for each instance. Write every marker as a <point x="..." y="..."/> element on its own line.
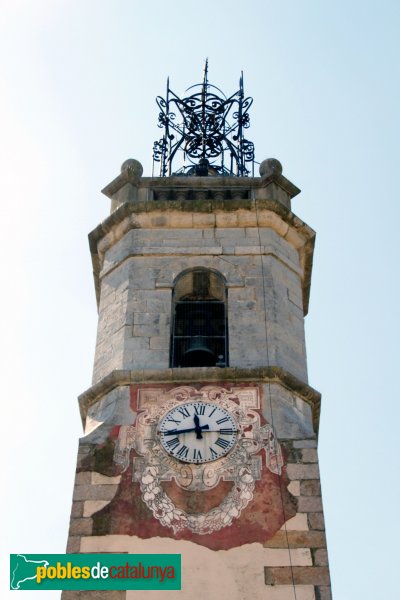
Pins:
<point x="212" y="412"/>
<point x="227" y="431"/>
<point x="222" y="443"/>
<point x="197" y="454"/>
<point x="223" y="420"/>
<point x="183" y="452"/>
<point x="213" y="453"/>
<point x="200" y="409"/>
<point x="184" y="411"/>
<point x="173" y="443"/>
<point x="171" y="419"/>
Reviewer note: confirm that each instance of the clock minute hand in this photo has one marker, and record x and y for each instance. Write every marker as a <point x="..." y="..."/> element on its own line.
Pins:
<point x="178" y="431"/>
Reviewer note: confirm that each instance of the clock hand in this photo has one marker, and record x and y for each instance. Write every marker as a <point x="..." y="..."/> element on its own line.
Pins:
<point x="197" y="427"/>
<point x="178" y="431"/>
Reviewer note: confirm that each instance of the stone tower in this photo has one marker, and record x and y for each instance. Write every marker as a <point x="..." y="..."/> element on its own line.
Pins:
<point x="200" y="428"/>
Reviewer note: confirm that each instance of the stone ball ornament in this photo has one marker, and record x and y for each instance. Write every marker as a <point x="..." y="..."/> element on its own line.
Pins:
<point x="270" y="166"/>
<point x="132" y="167"/>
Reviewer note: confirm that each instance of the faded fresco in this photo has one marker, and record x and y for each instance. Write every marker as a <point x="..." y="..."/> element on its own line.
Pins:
<point x="171" y="488"/>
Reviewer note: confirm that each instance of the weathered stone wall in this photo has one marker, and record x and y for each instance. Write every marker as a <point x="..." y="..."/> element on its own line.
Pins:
<point x="264" y="281"/>
<point x="289" y="563"/>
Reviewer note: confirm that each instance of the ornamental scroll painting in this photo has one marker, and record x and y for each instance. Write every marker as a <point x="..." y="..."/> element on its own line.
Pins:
<point x="239" y="498"/>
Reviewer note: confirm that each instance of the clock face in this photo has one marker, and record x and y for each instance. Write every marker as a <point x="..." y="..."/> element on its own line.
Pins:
<point x="198" y="432"/>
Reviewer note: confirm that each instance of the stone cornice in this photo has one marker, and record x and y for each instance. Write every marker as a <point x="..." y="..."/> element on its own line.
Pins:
<point x="250" y="212"/>
<point x="202" y="374"/>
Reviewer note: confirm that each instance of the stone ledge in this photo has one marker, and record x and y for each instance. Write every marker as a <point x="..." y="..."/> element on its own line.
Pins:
<point x="118" y="378"/>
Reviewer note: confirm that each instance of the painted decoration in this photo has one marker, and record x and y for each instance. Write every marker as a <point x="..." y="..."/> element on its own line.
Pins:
<point x="198" y="463"/>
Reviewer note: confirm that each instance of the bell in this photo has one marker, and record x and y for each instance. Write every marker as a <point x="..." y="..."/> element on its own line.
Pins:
<point x="199" y="353"/>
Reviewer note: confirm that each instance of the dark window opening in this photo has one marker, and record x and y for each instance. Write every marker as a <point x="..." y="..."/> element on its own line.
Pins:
<point x="199" y="332"/>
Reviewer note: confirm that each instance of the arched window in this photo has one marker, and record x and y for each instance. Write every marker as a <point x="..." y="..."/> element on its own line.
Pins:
<point x="199" y="320"/>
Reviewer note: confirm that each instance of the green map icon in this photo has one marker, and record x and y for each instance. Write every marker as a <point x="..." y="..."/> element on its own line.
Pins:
<point x="23" y="569"/>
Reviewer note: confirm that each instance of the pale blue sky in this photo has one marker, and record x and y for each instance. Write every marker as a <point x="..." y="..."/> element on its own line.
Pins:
<point x="79" y="79"/>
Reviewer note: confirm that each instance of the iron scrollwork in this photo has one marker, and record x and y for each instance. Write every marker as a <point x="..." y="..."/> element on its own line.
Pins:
<point x="207" y="128"/>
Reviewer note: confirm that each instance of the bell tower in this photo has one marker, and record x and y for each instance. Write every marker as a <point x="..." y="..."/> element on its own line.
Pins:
<point x="200" y="427"/>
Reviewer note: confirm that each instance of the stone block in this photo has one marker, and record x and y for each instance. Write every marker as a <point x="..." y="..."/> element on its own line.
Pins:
<point x="252" y="232"/>
<point x="305" y="443"/>
<point x="83" y="477"/>
<point x="113" y="409"/>
<point x="250" y="249"/>
<point x="316" y="521"/>
<point x="144" y="359"/>
<point x="183" y="219"/>
<point x="146" y="330"/>
<point x="310" y="487"/>
<point x="323" y="592"/>
<point x="90" y="507"/>
<point x="81" y="526"/>
<point x="247" y="218"/>
<point x="321" y="557"/>
<point x="146" y="318"/>
<point x="294" y="488"/>
<point x="309" y="455"/>
<point x="291" y="415"/>
<point x="159" y="221"/>
<point x="99" y="479"/>
<point x="297" y="523"/>
<point x="159" y="342"/>
<point x="204" y="220"/>
<point x="77" y="509"/>
<point x="299" y="471"/>
<point x="159" y="305"/>
<point x="73" y="545"/>
<point x="137" y="343"/>
<point x="297" y="575"/>
<point x="283" y="557"/>
<point x="309" y="504"/>
<point x="297" y="539"/>
<point x="226" y="220"/>
<point x="94" y="492"/>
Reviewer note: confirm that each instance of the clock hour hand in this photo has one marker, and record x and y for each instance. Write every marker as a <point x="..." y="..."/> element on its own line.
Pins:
<point x="178" y="431"/>
<point x="198" y="428"/>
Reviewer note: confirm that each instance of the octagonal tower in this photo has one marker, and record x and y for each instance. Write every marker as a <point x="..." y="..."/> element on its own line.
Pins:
<point x="200" y="427"/>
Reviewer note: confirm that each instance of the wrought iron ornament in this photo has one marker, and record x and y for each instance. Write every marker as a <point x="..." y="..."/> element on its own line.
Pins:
<point x="208" y="129"/>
